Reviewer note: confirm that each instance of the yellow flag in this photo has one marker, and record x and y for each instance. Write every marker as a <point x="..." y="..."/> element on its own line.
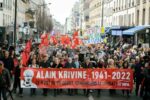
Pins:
<point x="102" y="30"/>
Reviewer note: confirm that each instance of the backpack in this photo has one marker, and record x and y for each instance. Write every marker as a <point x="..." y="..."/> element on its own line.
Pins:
<point x="2" y="80"/>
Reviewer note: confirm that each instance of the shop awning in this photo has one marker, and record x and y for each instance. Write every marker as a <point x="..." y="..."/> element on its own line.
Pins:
<point x="116" y="32"/>
<point x="134" y="30"/>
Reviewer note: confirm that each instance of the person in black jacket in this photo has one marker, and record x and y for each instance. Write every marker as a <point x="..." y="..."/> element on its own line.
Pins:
<point x="45" y="64"/>
<point x="70" y="64"/>
<point x="8" y="62"/>
<point x="57" y="65"/>
<point x="138" y="75"/>
<point x="5" y="82"/>
<point x="87" y="64"/>
<point x="146" y="82"/>
<point x="126" y="66"/>
<point x="17" y="84"/>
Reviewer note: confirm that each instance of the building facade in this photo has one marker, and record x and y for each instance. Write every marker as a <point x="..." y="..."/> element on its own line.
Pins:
<point x="75" y="16"/>
<point x="117" y="12"/>
<point x="58" y="27"/>
<point x="68" y="25"/>
<point x="143" y="12"/>
<point x="84" y="14"/>
<point x="6" y="19"/>
<point x="95" y="13"/>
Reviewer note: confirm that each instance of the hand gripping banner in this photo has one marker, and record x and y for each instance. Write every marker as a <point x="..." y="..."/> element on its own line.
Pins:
<point x="77" y="78"/>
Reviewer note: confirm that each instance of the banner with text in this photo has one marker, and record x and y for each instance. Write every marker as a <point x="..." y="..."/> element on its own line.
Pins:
<point x="77" y="78"/>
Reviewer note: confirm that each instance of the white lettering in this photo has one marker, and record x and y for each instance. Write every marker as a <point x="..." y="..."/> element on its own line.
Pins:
<point x="46" y="74"/>
<point x="60" y="74"/>
<point x="53" y="74"/>
<point x="80" y="74"/>
<point x="84" y="74"/>
<point x="72" y="75"/>
<point x="65" y="74"/>
<point x="38" y="75"/>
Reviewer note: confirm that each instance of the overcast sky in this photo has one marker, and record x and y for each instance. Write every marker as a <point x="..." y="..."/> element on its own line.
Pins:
<point x="60" y="9"/>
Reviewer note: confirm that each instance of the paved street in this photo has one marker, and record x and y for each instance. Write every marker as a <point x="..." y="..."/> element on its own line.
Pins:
<point x="104" y="96"/>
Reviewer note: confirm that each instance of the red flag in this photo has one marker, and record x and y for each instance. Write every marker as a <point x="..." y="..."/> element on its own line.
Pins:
<point x="76" y="41"/>
<point x="26" y="53"/>
<point x="44" y="40"/>
<point x="75" y="34"/>
<point x="28" y="46"/>
<point x="25" y="58"/>
<point x="54" y="40"/>
<point x="65" y="40"/>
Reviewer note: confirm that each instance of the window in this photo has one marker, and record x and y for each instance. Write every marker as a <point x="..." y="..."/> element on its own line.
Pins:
<point x="3" y="19"/>
<point x="133" y="19"/>
<point x="133" y="3"/>
<point x="1" y="5"/>
<point x="129" y="21"/>
<point x="138" y="2"/>
<point x="138" y="12"/>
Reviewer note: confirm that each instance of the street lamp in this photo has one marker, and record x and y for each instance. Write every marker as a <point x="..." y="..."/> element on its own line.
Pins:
<point x="15" y="22"/>
<point x="102" y="20"/>
<point x="81" y="24"/>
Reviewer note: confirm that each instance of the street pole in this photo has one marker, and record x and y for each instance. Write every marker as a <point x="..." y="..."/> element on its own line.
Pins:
<point x="81" y="26"/>
<point x="102" y="20"/>
<point x="43" y="17"/>
<point x="15" y="23"/>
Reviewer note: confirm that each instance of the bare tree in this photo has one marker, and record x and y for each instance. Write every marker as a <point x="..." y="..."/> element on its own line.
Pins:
<point x="43" y="22"/>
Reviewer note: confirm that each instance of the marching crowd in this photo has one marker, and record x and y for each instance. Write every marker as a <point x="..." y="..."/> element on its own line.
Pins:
<point x="100" y="55"/>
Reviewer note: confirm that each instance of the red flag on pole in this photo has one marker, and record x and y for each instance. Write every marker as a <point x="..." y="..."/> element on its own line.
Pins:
<point x="75" y="34"/>
<point x="26" y="53"/>
<point x="44" y="40"/>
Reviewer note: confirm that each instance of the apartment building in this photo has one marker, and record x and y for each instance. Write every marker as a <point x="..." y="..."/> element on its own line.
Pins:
<point x="6" y="18"/>
<point x="95" y="13"/>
